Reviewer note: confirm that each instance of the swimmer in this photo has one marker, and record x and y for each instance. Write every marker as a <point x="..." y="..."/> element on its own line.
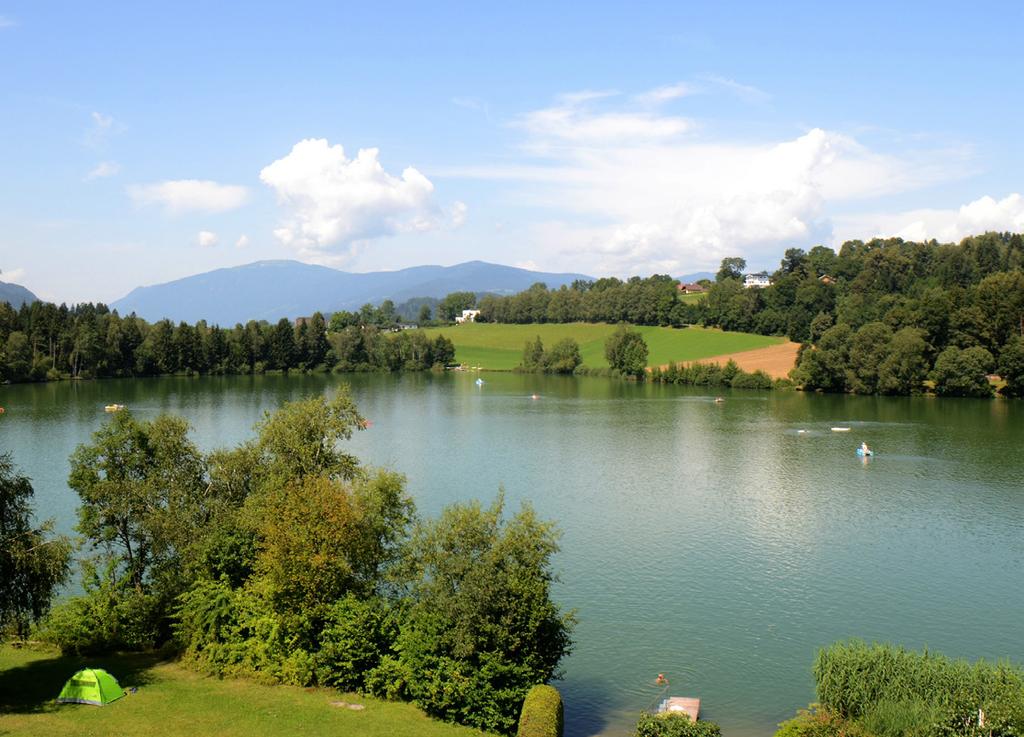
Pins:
<point x="534" y="396"/>
<point x="661" y="680"/>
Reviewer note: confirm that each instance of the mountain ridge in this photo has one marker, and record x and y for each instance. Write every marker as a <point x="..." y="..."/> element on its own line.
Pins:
<point x="270" y="290"/>
<point x="16" y="295"/>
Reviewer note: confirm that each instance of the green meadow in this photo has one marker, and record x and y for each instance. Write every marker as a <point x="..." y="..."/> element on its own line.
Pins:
<point x="173" y="701"/>
<point x="500" y="347"/>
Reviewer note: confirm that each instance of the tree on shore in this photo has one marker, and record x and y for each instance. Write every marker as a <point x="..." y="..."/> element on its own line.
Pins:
<point x="33" y="561"/>
<point x="626" y="351"/>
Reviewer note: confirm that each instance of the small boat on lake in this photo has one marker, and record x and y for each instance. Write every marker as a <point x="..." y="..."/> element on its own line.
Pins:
<point x="114" y="407"/>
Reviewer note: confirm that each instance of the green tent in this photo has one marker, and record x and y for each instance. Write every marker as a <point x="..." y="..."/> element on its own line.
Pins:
<point x="90" y="686"/>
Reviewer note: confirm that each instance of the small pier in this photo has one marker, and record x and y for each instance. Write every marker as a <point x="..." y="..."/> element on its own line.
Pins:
<point x="681" y="705"/>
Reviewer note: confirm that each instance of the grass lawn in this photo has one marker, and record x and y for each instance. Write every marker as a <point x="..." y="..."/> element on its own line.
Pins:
<point x="500" y="347"/>
<point x="173" y="701"/>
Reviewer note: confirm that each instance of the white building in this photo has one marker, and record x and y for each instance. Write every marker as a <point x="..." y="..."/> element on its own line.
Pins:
<point x="467" y="316"/>
<point x="757" y="281"/>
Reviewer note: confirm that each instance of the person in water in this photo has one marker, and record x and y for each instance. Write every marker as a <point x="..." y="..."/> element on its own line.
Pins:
<point x="865" y="449"/>
<point x="661" y="680"/>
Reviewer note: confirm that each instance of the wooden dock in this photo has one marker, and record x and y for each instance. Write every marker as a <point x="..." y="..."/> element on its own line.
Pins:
<point x="681" y="705"/>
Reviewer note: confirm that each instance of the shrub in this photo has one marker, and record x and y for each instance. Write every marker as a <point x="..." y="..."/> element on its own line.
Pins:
<point x="542" y="714"/>
<point x="903" y="719"/>
<point x="354" y="638"/>
<point x="674" y="725"/>
<point x="109" y="616"/>
<point x="818" y="722"/>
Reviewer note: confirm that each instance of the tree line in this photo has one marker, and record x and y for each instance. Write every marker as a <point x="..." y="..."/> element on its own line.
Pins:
<point x="885" y="316"/>
<point x="888" y="315"/>
<point x="287" y="559"/>
<point x="43" y="341"/>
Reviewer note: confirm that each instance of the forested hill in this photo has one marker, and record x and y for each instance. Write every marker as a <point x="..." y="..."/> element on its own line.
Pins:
<point x="882" y="317"/>
<point x="270" y="290"/>
<point x="16" y="295"/>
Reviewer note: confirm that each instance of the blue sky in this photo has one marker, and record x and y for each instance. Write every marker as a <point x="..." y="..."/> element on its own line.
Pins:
<point x="143" y="142"/>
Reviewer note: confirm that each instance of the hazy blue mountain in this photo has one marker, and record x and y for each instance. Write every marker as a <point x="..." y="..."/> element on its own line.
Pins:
<point x="16" y="294"/>
<point x="270" y="290"/>
<point x="696" y="277"/>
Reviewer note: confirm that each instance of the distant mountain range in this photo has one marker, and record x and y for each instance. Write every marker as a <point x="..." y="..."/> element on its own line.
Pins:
<point x="270" y="290"/>
<point x="16" y="294"/>
<point x="696" y="277"/>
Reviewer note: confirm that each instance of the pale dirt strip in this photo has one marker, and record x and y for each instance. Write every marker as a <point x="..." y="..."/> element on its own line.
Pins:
<point x="775" y="360"/>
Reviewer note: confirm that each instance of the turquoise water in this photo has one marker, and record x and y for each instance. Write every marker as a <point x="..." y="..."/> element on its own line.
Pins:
<point x="712" y="542"/>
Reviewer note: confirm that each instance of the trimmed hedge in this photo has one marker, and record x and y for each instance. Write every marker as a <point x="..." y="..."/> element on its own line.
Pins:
<point x="542" y="714"/>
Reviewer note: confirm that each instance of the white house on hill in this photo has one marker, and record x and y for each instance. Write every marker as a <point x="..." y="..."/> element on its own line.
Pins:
<point x="467" y="316"/>
<point x="757" y="281"/>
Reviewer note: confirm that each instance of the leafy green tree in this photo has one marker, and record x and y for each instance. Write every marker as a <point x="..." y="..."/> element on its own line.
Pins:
<point x="823" y="367"/>
<point x="533" y="355"/>
<point x="905" y="366"/>
<point x="1011" y="367"/>
<point x="482" y="628"/>
<point x="963" y="373"/>
<point x="626" y="351"/>
<point x="424" y="316"/>
<point x="731" y="268"/>
<point x="33" y="561"/>
<point x="564" y="357"/>
<point x="453" y="305"/>
<point x="142" y="488"/>
<point x="321" y="538"/>
<point x="301" y="438"/>
<point x="868" y="350"/>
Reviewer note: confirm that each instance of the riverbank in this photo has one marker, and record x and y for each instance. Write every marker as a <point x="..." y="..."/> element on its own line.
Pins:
<point x="173" y="701"/>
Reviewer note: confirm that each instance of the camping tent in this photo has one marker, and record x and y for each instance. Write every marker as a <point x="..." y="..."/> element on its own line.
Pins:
<point x="90" y="686"/>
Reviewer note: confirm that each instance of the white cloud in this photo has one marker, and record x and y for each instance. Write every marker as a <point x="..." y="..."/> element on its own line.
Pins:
<point x="331" y="201"/>
<point x="12" y="275"/>
<point x="103" y="169"/>
<point x="574" y="121"/>
<point x="207" y="239"/>
<point x="651" y="196"/>
<point x="660" y="95"/>
<point x="242" y="242"/>
<point x="185" y="195"/>
<point x="949" y="225"/>
<point x="457" y="214"/>
<point x="6" y="22"/>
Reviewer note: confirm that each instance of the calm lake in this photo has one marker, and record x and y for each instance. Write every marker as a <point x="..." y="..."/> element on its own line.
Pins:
<point x="715" y="543"/>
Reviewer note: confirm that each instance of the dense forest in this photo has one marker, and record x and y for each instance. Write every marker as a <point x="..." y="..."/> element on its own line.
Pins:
<point x="43" y="341"/>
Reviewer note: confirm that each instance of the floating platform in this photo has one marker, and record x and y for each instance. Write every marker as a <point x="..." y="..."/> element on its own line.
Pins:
<point x="681" y="705"/>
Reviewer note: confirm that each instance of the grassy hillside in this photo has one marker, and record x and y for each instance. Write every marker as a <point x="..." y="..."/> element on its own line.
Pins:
<point x="175" y="702"/>
<point x="500" y="347"/>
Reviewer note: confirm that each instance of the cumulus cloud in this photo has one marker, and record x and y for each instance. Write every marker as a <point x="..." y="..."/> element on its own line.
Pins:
<point x="457" y="214"/>
<point x="945" y="225"/>
<point x="665" y="196"/>
<point x="187" y="195"/>
<point x="13" y="275"/>
<point x="103" y="169"/>
<point x="242" y="242"/>
<point x="332" y="201"/>
<point x="207" y="239"/>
